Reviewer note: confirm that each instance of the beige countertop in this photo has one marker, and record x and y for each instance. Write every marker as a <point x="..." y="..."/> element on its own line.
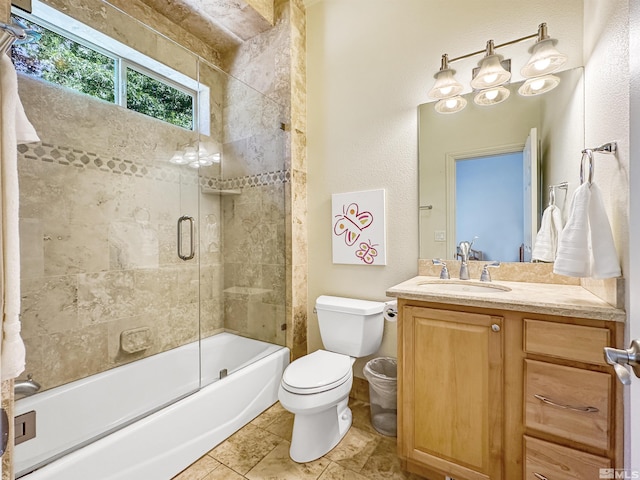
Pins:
<point x="550" y="299"/>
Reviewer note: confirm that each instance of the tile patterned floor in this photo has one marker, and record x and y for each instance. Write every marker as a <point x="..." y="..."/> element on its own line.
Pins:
<point x="260" y="451"/>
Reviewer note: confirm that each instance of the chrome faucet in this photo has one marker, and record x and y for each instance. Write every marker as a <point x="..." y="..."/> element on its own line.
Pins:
<point x="464" y="249"/>
<point x="26" y="387"/>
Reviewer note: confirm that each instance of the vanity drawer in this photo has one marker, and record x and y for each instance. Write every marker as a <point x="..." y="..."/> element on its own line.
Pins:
<point x="562" y="340"/>
<point x="544" y="460"/>
<point x="568" y="402"/>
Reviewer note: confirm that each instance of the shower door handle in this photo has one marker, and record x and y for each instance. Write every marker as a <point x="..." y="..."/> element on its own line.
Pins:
<point x="192" y="247"/>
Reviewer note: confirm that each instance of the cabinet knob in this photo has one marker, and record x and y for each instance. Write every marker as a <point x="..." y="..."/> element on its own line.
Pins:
<point x="495" y="327"/>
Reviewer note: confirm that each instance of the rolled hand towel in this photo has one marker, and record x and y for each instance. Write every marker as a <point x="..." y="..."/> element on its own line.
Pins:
<point x="546" y="244"/>
<point x="574" y="256"/>
<point x="605" y="262"/>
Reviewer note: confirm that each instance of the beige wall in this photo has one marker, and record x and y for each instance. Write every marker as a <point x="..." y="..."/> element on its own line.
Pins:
<point x="606" y="53"/>
<point x="370" y="64"/>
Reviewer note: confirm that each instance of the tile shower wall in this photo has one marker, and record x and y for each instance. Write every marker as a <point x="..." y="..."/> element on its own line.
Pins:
<point x="274" y="63"/>
<point x="254" y="233"/>
<point x="98" y="209"/>
<point x="101" y="281"/>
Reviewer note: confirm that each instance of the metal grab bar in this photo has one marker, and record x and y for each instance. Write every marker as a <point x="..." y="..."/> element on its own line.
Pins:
<point x="568" y="407"/>
<point x="192" y="251"/>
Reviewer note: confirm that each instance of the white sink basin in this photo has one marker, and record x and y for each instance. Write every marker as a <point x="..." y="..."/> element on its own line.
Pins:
<point x="462" y="286"/>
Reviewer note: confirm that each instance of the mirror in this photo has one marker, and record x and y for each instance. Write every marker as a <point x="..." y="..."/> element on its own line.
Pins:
<point x="485" y="172"/>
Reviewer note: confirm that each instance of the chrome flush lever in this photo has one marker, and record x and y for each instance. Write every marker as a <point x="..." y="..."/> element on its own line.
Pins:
<point x="619" y="358"/>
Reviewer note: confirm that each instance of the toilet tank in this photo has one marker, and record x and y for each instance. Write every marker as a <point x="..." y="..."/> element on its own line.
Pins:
<point x="350" y="326"/>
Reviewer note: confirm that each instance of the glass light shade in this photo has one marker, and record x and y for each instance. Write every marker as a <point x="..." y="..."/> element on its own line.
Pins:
<point x="190" y="154"/>
<point x="451" y="105"/>
<point x="544" y="59"/>
<point x="446" y="86"/>
<point x="216" y="157"/>
<point x="492" y="96"/>
<point x="202" y="151"/>
<point x="538" y="85"/>
<point x="194" y="164"/>
<point x="491" y="73"/>
<point x="178" y="159"/>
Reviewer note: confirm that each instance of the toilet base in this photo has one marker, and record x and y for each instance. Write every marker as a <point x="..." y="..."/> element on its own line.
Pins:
<point x="316" y="434"/>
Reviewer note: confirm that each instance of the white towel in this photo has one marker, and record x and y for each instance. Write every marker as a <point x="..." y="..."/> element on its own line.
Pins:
<point x="546" y="244"/>
<point x="15" y="127"/>
<point x="574" y="257"/>
<point x="586" y="245"/>
<point x="605" y="263"/>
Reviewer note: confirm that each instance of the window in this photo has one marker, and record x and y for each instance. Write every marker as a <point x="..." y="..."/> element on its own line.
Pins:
<point x="65" y="59"/>
<point x="62" y="61"/>
<point x="145" y="94"/>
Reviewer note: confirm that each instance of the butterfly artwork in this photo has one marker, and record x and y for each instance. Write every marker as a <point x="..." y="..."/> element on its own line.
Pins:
<point x="358" y="228"/>
<point x="367" y="252"/>
<point x="351" y="223"/>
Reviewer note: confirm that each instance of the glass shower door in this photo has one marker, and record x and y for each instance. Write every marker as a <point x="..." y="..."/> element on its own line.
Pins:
<point x="100" y="199"/>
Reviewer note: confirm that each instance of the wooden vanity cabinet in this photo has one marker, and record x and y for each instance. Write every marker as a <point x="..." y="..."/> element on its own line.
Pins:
<point x="572" y="399"/>
<point x="451" y="386"/>
<point x="489" y="394"/>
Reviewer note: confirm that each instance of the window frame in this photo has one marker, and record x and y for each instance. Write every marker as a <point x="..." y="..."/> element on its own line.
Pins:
<point x="121" y="63"/>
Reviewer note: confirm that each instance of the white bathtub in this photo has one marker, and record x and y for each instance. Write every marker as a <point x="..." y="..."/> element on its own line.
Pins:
<point x="156" y="446"/>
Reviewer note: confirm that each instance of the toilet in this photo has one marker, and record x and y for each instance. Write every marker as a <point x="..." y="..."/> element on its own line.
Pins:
<point x="315" y="388"/>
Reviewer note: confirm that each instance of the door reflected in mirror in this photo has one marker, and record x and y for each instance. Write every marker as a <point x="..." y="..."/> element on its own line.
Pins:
<point x="484" y="171"/>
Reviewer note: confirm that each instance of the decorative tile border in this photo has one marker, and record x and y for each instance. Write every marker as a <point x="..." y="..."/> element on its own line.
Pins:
<point x="261" y="179"/>
<point x="47" y="152"/>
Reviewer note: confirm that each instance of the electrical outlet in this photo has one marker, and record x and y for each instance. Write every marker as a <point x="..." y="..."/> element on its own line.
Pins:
<point x="440" y="236"/>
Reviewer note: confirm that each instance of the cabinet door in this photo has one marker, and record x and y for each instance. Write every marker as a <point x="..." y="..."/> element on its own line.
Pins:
<point x="452" y="392"/>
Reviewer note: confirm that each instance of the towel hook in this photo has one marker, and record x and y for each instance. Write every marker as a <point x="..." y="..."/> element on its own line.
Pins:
<point x="589" y="154"/>
<point x="552" y="191"/>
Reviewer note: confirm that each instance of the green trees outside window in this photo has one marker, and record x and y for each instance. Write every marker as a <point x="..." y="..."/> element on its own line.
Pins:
<point x="63" y="61"/>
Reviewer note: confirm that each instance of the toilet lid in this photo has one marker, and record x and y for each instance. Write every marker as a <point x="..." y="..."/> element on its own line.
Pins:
<point x="317" y="372"/>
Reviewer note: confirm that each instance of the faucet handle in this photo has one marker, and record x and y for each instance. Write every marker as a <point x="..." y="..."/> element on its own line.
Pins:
<point x="485" y="276"/>
<point x="444" y="273"/>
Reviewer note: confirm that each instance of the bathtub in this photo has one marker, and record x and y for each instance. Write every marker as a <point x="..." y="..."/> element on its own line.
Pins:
<point x="88" y="412"/>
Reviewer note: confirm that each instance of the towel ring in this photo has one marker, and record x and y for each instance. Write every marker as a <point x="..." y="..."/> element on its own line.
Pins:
<point x="552" y="195"/>
<point x="589" y="154"/>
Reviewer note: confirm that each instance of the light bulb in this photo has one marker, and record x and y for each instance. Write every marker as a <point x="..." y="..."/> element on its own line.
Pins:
<point x="537" y="84"/>
<point x="491" y="94"/>
<point x="452" y="102"/>
<point x="542" y="64"/>
<point x="190" y="153"/>
<point x="445" y="91"/>
<point x="490" y="78"/>
<point x="178" y="159"/>
<point x="450" y="105"/>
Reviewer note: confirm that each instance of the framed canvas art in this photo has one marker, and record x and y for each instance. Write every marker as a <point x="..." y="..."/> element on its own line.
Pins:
<point x="358" y="228"/>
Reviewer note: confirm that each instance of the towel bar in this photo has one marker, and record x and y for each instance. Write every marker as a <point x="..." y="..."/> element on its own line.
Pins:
<point x="16" y="31"/>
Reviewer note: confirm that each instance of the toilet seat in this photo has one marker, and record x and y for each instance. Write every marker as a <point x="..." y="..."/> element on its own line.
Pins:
<point x="317" y="372"/>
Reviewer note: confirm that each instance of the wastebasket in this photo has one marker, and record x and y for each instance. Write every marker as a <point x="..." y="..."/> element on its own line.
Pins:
<point x="382" y="373"/>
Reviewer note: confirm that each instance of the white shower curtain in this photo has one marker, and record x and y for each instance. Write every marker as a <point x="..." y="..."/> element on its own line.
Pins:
<point x="15" y="129"/>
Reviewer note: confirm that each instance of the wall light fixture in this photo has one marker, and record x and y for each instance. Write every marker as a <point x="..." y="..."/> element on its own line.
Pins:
<point x="201" y="156"/>
<point x="493" y="72"/>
